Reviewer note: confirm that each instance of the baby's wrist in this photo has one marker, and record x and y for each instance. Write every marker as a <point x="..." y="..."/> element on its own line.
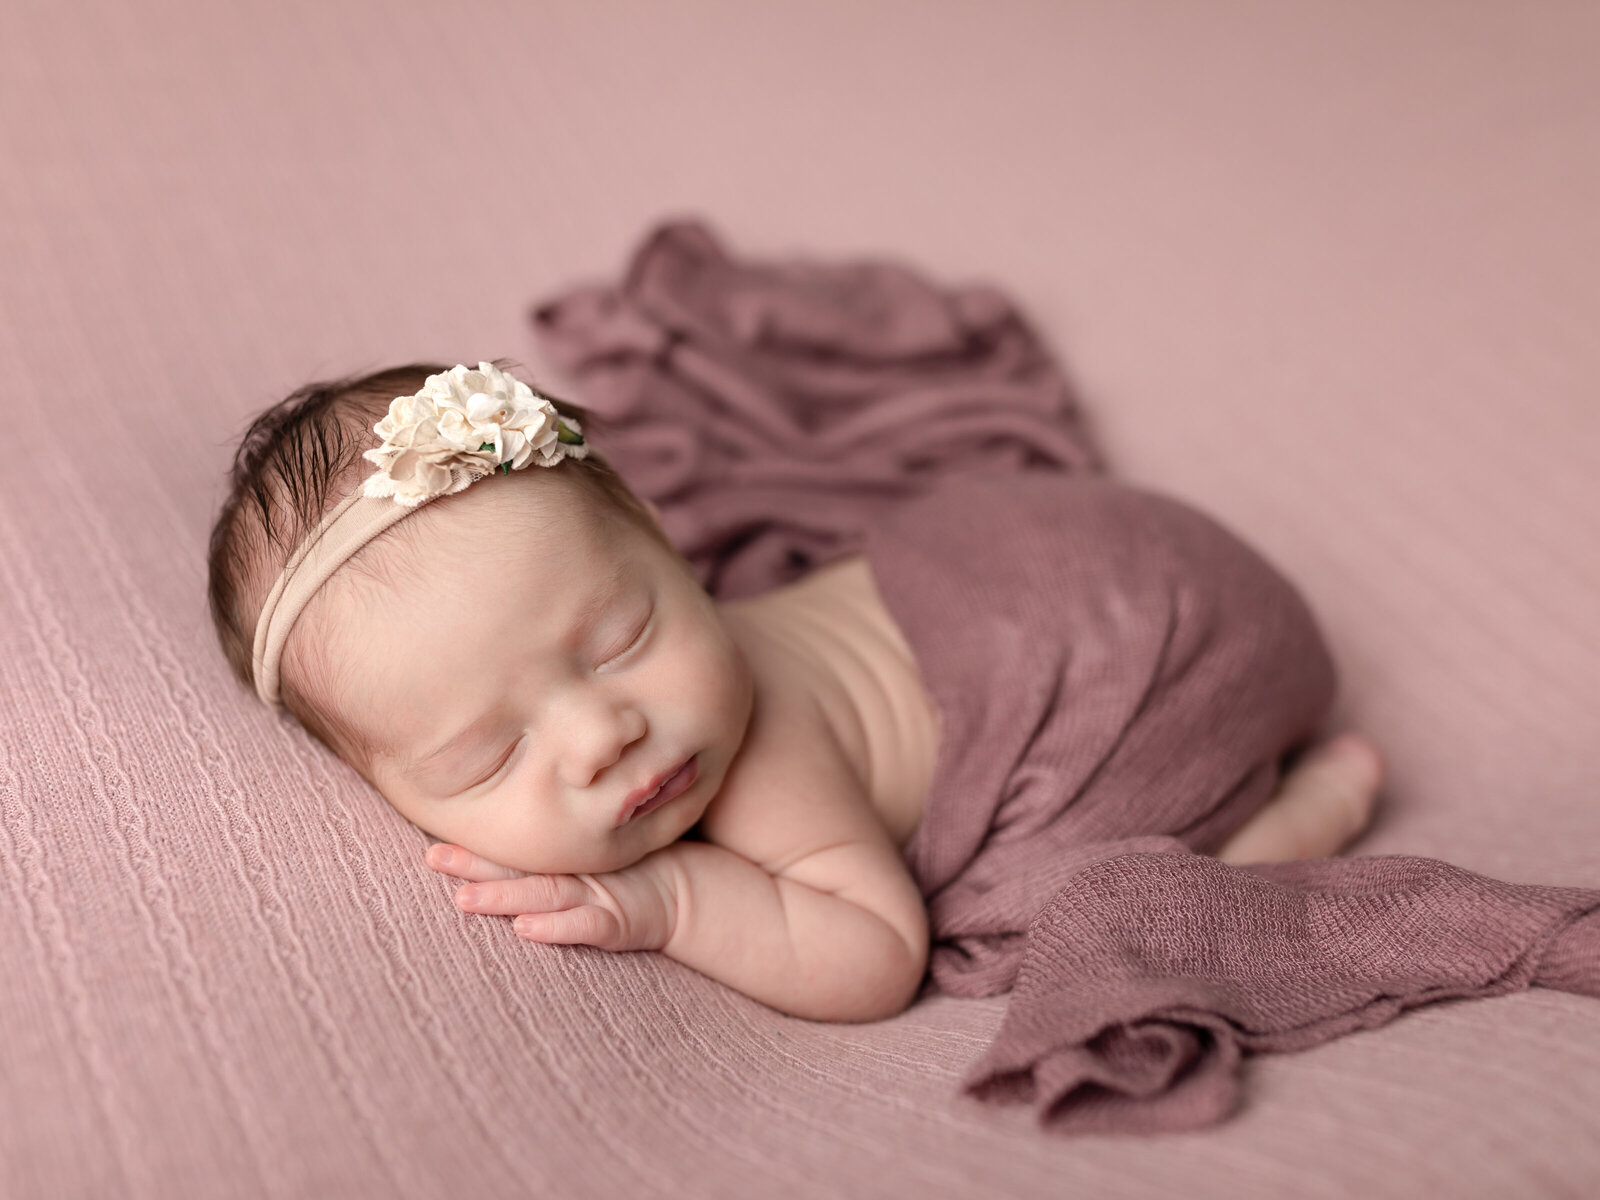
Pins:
<point x="661" y="876"/>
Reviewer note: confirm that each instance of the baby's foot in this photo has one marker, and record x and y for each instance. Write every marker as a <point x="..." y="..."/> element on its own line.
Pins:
<point x="1319" y="807"/>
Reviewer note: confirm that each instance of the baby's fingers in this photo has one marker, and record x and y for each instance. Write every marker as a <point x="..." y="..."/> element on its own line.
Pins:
<point x="463" y="864"/>
<point x="584" y="925"/>
<point x="615" y="910"/>
<point x="525" y="894"/>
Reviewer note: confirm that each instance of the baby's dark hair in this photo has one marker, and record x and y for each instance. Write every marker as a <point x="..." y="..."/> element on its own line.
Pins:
<point x="296" y="461"/>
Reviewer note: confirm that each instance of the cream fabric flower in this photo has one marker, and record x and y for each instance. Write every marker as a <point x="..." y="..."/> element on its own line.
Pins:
<point x="461" y="426"/>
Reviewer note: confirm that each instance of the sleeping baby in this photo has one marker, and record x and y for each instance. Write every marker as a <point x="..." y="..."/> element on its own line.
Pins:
<point x="522" y="664"/>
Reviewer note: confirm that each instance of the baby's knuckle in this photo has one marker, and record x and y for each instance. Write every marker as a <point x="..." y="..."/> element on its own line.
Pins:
<point x="530" y="889"/>
<point x="593" y="926"/>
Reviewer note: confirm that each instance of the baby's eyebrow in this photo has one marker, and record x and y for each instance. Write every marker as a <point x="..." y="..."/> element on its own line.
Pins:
<point x="450" y="743"/>
<point x="608" y="591"/>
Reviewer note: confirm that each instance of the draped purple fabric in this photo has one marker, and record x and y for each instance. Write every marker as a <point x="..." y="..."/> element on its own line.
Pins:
<point x="1118" y="679"/>
<point x="771" y="411"/>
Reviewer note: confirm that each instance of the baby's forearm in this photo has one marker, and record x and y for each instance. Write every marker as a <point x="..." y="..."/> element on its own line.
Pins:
<point x="789" y="946"/>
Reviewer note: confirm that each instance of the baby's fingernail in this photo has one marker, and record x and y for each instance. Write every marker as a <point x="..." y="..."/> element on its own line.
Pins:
<point x="467" y="895"/>
<point x="439" y="857"/>
<point x="522" y="925"/>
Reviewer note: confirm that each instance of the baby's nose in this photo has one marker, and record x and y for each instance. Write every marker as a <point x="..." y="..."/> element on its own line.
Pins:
<point x="598" y="739"/>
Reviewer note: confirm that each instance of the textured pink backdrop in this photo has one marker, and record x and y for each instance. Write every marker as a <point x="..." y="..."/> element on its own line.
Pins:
<point x="1327" y="270"/>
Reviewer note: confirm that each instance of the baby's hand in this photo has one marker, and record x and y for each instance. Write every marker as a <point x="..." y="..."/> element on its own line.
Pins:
<point x="631" y="909"/>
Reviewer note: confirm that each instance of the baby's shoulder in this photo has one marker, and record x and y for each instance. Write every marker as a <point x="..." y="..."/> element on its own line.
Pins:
<point x="793" y="806"/>
<point x="792" y="790"/>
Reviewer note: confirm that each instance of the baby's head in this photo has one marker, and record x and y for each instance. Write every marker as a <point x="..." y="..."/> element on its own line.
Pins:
<point x="507" y="664"/>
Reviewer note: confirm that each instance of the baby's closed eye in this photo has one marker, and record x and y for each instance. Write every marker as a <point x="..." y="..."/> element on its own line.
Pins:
<point x="500" y="767"/>
<point x="632" y="641"/>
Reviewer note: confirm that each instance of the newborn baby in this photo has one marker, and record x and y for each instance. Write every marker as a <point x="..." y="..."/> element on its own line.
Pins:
<point x="525" y="668"/>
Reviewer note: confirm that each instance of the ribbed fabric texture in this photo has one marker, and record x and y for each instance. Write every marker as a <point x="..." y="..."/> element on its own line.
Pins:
<point x="1322" y="269"/>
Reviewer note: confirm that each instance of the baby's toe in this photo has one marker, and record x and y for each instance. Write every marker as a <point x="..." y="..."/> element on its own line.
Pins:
<point x="1355" y="759"/>
<point x="1347" y="772"/>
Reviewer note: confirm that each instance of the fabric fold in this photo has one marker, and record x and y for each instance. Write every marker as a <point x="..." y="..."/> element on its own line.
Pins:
<point x="1148" y="976"/>
<point x="1119" y="680"/>
<point x="770" y="410"/>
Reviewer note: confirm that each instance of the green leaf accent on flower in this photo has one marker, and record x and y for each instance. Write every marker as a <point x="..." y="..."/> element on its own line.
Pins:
<point x="563" y="434"/>
<point x="505" y="468"/>
<point x="487" y="446"/>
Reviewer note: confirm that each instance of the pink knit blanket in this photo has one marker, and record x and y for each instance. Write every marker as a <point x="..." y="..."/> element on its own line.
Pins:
<point x="1118" y="679"/>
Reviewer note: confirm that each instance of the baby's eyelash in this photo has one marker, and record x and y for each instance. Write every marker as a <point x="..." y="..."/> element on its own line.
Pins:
<point x="637" y="638"/>
<point x="499" y="766"/>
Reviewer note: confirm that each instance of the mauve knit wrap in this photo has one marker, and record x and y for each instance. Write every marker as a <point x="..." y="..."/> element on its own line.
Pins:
<point x="1117" y="677"/>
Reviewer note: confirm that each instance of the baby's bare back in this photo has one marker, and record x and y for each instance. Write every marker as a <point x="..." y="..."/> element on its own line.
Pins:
<point x="837" y="677"/>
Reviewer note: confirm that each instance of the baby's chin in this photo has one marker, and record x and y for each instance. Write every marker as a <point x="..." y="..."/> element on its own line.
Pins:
<point x="615" y="858"/>
<point x="621" y="851"/>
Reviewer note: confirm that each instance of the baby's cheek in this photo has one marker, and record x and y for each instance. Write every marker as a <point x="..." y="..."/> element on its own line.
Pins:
<point x="425" y="820"/>
<point x="728" y="683"/>
<point x="694" y="694"/>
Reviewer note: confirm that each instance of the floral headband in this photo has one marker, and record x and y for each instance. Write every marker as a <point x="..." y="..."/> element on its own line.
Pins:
<point x="461" y="426"/>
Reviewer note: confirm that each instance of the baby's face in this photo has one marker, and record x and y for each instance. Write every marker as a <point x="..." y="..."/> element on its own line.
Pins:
<point x="531" y="664"/>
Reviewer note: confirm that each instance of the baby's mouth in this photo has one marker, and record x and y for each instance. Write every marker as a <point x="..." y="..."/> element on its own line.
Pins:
<point x="668" y="789"/>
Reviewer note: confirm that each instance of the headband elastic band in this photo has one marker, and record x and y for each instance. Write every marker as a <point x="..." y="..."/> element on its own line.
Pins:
<point x="348" y="526"/>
